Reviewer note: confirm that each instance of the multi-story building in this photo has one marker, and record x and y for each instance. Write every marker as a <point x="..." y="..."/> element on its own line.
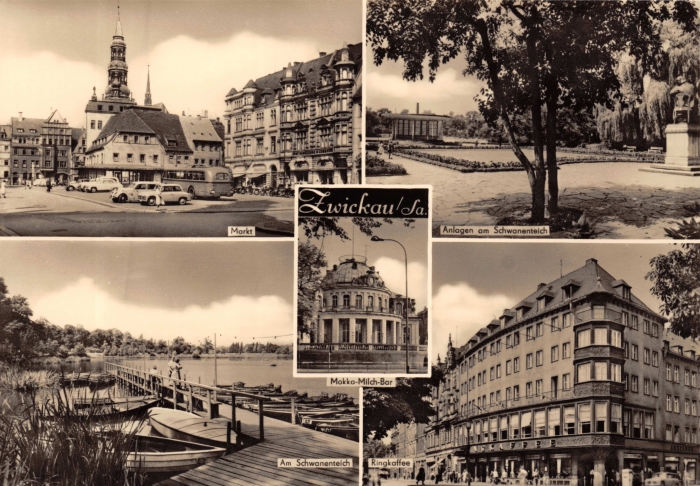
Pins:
<point x="138" y="145"/>
<point x="26" y="147"/>
<point x="205" y="138"/>
<point x="56" y="140"/>
<point x="5" y="148"/>
<point x="577" y="381"/>
<point x="297" y="125"/>
<point x="409" y="442"/>
<point x="78" y="146"/>
<point x="359" y="315"/>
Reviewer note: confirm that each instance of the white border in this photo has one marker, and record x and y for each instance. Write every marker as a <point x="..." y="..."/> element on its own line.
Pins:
<point x="429" y="278"/>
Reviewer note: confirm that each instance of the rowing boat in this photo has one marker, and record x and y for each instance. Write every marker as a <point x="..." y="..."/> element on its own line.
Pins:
<point x="161" y="454"/>
<point x="176" y="424"/>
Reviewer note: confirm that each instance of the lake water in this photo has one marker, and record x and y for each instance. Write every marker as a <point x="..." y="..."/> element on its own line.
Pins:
<point x="252" y="372"/>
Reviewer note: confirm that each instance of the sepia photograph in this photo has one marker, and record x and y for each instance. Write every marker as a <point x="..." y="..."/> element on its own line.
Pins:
<point x="563" y="119"/>
<point x="145" y="118"/>
<point x="565" y="364"/>
<point x="362" y="281"/>
<point x="131" y="362"/>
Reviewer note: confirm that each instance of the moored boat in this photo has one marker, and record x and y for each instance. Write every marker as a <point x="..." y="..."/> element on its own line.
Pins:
<point x="160" y="454"/>
<point x="176" y="424"/>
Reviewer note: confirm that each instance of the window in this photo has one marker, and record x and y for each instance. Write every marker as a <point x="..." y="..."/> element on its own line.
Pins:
<point x="516" y="392"/>
<point x="555" y="353"/>
<point x="669" y="433"/>
<point x="92" y="124"/>
<point x="344" y="330"/>
<point x="346" y="300"/>
<point x="498" y="372"/>
<point x="553" y="422"/>
<point x="509" y="367"/>
<point x="626" y="423"/>
<point x="694" y="408"/>
<point x="615" y="338"/>
<point x="583" y="338"/>
<point x="601" y="416"/>
<point x="516" y="338"/>
<point x="625" y="381"/>
<point x="569" y="420"/>
<point x="528" y="389"/>
<point x="616" y="372"/>
<point x="99" y="124"/>
<point x="669" y="403"/>
<point x="634" y="324"/>
<point x="115" y="158"/>
<point x="686" y="408"/>
<point x="648" y="425"/>
<point x="539" y="358"/>
<point x="539" y="329"/>
<point x="693" y="379"/>
<point x="528" y="361"/>
<point x="636" y="424"/>
<point x="129" y="157"/>
<point x="676" y="374"/>
<point x="647" y="386"/>
<point x="601" y="370"/>
<point x="566" y="350"/>
<point x="555" y="324"/>
<point x="516" y="365"/>
<point x="655" y="389"/>
<point x="655" y="330"/>
<point x="273" y="144"/>
<point x="676" y="404"/>
<point x="635" y="384"/>
<point x="568" y="319"/>
<point x="526" y="425"/>
<point x="646" y="326"/>
<point x="584" y="418"/>
<point x="647" y="356"/>
<point x="655" y="358"/>
<point x="615" y="418"/>
<point x="492" y="373"/>
<point x="669" y="376"/>
<point x="155" y="159"/>
<point x="515" y="426"/>
<point x="142" y="158"/>
<point x="583" y="372"/>
<point x="528" y="333"/>
<point x="566" y="381"/>
<point x="686" y="377"/>
<point x="538" y="388"/>
<point x="600" y="335"/>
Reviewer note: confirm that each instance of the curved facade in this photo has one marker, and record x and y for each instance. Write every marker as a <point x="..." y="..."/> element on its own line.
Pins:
<point x="578" y="381"/>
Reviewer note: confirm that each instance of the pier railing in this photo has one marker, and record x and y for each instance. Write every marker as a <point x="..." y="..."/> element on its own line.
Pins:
<point x="150" y="383"/>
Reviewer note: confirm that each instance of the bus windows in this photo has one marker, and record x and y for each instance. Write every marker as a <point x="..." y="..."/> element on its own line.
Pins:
<point x="222" y="177"/>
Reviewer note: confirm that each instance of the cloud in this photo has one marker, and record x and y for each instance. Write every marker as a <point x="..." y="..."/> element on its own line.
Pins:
<point x="393" y="273"/>
<point x="462" y="307"/>
<point x="450" y="90"/>
<point x="236" y="318"/>
<point x="186" y="74"/>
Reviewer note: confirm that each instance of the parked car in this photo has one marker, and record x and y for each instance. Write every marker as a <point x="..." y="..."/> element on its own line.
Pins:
<point x="663" y="479"/>
<point x="40" y="182"/>
<point x="75" y="185"/>
<point x="101" y="184"/>
<point x="171" y="193"/>
<point x="131" y="193"/>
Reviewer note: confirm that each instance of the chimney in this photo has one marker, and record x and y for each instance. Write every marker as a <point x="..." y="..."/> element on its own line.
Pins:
<point x="321" y="54"/>
<point x="591" y="261"/>
<point x="20" y="116"/>
<point x="417" y="108"/>
<point x="539" y="286"/>
<point x="206" y="113"/>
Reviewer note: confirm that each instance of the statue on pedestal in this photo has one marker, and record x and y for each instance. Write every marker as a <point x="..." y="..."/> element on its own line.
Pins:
<point x="684" y="101"/>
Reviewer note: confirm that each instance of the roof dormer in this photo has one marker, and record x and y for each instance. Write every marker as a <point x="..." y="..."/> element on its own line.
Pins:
<point x="544" y="298"/>
<point x="569" y="289"/>
<point x="522" y="309"/>
<point x="622" y="288"/>
<point x="506" y="317"/>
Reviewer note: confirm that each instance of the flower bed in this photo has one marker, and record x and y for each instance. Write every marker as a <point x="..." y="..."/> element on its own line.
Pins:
<point x="380" y="167"/>
<point x="463" y="165"/>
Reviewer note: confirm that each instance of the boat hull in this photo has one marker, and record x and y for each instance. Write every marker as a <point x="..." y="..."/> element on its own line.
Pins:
<point x="176" y="424"/>
<point x="160" y="454"/>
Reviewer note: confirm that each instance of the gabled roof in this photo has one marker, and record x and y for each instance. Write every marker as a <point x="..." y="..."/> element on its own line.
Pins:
<point x="27" y="124"/>
<point x="55" y="117"/>
<point x="197" y="128"/>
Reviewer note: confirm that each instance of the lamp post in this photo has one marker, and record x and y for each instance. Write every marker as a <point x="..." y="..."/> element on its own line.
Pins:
<point x="405" y="334"/>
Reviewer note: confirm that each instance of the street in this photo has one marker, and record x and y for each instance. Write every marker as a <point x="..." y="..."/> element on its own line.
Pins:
<point x="36" y="212"/>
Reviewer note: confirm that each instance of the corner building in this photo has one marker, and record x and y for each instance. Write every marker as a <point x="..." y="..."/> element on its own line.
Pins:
<point x="577" y="381"/>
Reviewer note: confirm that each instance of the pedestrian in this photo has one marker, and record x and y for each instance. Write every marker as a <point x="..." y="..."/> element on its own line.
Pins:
<point x="380" y="150"/>
<point x="159" y="198"/>
<point x="535" y="476"/>
<point x="171" y="367"/>
<point x="420" y="477"/>
<point x="48" y="184"/>
<point x="154" y="376"/>
<point x="3" y="189"/>
<point x="617" y="478"/>
<point x="390" y="149"/>
<point x="178" y="367"/>
<point x="30" y="183"/>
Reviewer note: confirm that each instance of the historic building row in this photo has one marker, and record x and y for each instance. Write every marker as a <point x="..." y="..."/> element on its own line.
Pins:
<point x="301" y="124"/>
<point x="579" y="380"/>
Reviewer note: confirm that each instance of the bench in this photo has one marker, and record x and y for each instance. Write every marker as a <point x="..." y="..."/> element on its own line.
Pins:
<point x="629" y="148"/>
<point x="656" y="150"/>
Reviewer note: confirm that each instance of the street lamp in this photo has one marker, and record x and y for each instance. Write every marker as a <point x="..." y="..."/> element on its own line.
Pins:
<point x="405" y="334"/>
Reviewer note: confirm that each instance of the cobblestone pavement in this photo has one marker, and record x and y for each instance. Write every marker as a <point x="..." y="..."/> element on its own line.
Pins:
<point x="622" y="201"/>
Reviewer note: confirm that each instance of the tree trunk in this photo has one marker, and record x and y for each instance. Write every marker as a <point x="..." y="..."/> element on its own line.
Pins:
<point x="553" y="177"/>
<point x="538" y="176"/>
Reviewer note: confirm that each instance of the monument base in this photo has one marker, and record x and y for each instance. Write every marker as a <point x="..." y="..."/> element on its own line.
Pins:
<point x="682" y="151"/>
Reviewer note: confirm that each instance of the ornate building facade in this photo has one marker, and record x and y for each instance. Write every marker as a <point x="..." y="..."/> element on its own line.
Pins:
<point x="56" y="140"/>
<point x="577" y="381"/>
<point x="299" y="124"/>
<point x="359" y="315"/>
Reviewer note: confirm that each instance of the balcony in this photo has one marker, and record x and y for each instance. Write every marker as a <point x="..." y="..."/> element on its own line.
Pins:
<point x="599" y="351"/>
<point x="361" y="347"/>
<point x="368" y="310"/>
<point x="598" y="315"/>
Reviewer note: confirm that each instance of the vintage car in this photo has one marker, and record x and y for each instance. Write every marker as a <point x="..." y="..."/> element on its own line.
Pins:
<point x="101" y="184"/>
<point x="171" y="193"/>
<point x="74" y="185"/>
<point x="663" y="479"/>
<point x="131" y="193"/>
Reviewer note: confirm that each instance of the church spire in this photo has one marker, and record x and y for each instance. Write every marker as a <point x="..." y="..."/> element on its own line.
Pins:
<point x="117" y="71"/>
<point x="147" y="101"/>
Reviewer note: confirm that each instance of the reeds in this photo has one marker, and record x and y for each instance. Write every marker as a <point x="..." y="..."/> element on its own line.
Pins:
<point x="45" y="441"/>
<point x="14" y="378"/>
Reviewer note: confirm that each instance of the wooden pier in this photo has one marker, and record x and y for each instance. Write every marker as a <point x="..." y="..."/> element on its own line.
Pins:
<point x="263" y="440"/>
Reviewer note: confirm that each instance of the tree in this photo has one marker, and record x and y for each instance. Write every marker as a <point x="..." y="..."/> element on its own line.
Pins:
<point x="409" y="401"/>
<point x="207" y="345"/>
<point x="376" y="448"/>
<point x="311" y="261"/>
<point x="530" y="55"/>
<point x="676" y="278"/>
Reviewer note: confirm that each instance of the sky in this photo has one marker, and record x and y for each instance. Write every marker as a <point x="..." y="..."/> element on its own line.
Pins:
<point x="450" y="92"/>
<point x="387" y="257"/>
<point x="474" y="282"/>
<point x="161" y="289"/>
<point x="57" y="50"/>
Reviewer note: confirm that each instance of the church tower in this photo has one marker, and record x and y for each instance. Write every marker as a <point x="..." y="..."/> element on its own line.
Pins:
<point x="117" y="71"/>
<point x="147" y="100"/>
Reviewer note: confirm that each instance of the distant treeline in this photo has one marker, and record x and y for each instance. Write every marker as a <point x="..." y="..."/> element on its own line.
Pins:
<point x="23" y="339"/>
